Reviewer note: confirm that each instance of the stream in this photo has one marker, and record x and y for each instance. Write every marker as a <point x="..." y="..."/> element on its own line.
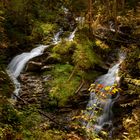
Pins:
<point x="104" y="120"/>
<point x="18" y="63"/>
<point x="104" y="105"/>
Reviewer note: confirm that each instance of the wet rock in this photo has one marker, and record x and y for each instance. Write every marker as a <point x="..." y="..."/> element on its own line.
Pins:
<point x="102" y="68"/>
<point x="6" y="85"/>
<point x="33" y="66"/>
<point x="47" y="68"/>
<point x="51" y="60"/>
<point x="32" y="87"/>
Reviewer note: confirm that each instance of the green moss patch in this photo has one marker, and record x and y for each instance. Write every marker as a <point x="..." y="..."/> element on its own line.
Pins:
<point x="84" y="56"/>
<point x="6" y="86"/>
<point x="61" y="87"/>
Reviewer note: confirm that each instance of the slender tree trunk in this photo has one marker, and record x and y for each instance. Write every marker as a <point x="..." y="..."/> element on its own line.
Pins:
<point x="90" y="13"/>
<point x="123" y="4"/>
<point x="115" y="13"/>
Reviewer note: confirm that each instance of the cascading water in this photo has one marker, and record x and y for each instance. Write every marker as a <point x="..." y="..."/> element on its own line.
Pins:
<point x="72" y="35"/>
<point x="96" y="103"/>
<point x="56" y="38"/>
<point x="18" y="63"/>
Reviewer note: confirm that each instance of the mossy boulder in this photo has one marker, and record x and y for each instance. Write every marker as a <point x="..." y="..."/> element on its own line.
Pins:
<point x="6" y="85"/>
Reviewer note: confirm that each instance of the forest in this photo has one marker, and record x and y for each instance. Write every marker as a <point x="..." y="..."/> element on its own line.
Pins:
<point x="69" y="70"/>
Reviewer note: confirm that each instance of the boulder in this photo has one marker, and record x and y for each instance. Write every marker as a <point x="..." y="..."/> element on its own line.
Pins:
<point x="33" y="66"/>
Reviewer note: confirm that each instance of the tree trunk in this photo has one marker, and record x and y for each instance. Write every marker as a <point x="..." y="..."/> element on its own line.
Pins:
<point x="115" y="14"/>
<point x="90" y="13"/>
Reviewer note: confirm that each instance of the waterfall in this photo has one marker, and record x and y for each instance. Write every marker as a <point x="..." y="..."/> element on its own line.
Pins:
<point x="56" y="38"/>
<point x="72" y="35"/>
<point x="105" y="119"/>
<point x="18" y="63"/>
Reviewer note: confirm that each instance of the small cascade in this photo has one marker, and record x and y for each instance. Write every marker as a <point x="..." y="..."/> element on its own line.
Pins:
<point x="105" y="105"/>
<point x="15" y="82"/>
<point x="72" y="35"/>
<point x="18" y="63"/>
<point x="56" y="38"/>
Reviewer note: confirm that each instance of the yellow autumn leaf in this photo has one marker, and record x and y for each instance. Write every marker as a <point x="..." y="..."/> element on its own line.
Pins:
<point x="98" y="42"/>
<point x="94" y="105"/>
<point x="93" y="90"/>
<point x="92" y="85"/>
<point x="115" y="90"/>
<point x="89" y="108"/>
<point x="107" y="88"/>
<point x="115" y="85"/>
<point x="89" y="89"/>
<point x="83" y="127"/>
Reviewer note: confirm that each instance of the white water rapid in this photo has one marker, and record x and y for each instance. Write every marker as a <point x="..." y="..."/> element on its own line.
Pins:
<point x="104" y="120"/>
<point x="18" y="63"/>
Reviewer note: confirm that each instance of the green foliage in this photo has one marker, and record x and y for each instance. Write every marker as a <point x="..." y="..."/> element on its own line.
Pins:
<point x="28" y="114"/>
<point x="49" y="135"/>
<point x="77" y="6"/>
<point x="9" y="115"/>
<point x="51" y="16"/>
<point x="16" y="123"/>
<point x="64" y="47"/>
<point x="101" y="44"/>
<point x="80" y="122"/>
<point x="28" y="20"/>
<point x="61" y="88"/>
<point x="63" y="51"/>
<point x="84" y="56"/>
<point x="56" y="56"/>
<point x="41" y="30"/>
<point x="6" y="86"/>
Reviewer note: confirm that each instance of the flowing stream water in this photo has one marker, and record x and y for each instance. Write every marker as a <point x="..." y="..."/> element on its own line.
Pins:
<point x="104" y="120"/>
<point x="18" y="63"/>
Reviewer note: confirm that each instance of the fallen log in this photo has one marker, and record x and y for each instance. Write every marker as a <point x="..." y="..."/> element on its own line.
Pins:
<point x="119" y="37"/>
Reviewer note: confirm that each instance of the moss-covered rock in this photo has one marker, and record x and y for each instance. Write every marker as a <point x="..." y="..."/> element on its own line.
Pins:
<point x="6" y="85"/>
<point x="61" y="87"/>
